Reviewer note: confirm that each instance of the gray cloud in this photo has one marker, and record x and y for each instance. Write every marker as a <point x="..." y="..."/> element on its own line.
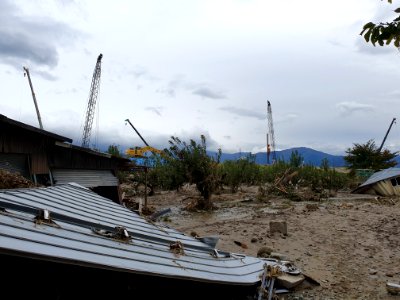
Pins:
<point x="206" y="92"/>
<point x="244" y="112"/>
<point x="155" y="109"/>
<point x="228" y="137"/>
<point x="348" y="108"/>
<point x="170" y="92"/>
<point x="181" y="83"/>
<point x="26" y="40"/>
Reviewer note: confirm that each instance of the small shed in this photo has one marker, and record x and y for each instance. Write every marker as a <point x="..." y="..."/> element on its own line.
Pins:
<point x="383" y="183"/>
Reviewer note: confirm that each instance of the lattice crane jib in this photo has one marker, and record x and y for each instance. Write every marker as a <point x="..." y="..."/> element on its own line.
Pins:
<point x="93" y="94"/>
<point x="271" y="134"/>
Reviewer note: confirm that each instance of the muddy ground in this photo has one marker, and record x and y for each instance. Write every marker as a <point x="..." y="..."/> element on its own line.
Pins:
<point x="350" y="243"/>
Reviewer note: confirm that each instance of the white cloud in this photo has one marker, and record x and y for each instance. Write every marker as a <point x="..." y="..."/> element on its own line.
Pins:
<point x="349" y="108"/>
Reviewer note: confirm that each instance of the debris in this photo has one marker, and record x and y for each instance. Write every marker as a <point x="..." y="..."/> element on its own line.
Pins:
<point x="209" y="240"/>
<point x="267" y="283"/>
<point x="177" y="248"/>
<point x="277" y="255"/>
<point x="393" y="288"/>
<point x="10" y="180"/>
<point x="160" y="213"/>
<point x="372" y="271"/>
<point x="243" y="245"/>
<point x="312" y="207"/>
<point x="289" y="281"/>
<point x="264" y="251"/>
<point x="278" y="226"/>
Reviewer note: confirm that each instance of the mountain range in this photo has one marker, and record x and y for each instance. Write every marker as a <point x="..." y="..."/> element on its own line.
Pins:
<point x="310" y="156"/>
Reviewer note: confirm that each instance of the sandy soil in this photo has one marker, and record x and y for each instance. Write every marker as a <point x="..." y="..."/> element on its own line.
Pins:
<point x="349" y="244"/>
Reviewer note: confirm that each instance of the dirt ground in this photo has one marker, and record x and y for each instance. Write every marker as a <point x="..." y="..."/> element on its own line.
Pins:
<point x="349" y="244"/>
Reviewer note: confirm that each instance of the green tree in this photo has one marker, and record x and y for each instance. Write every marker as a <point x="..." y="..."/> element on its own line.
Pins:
<point x="114" y="150"/>
<point x="383" y="33"/>
<point x="191" y="161"/>
<point x="296" y="159"/>
<point x="366" y="156"/>
<point x="324" y="164"/>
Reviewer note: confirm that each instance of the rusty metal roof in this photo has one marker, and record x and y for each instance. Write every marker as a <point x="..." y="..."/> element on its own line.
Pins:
<point x="86" y="229"/>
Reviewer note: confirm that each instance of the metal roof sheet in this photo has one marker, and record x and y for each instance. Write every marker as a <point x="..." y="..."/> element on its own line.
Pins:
<point x="79" y="216"/>
<point x="86" y="178"/>
<point x="4" y="119"/>
<point x="379" y="176"/>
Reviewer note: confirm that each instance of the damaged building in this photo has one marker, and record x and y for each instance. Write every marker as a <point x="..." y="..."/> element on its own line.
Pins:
<point x="383" y="183"/>
<point x="47" y="158"/>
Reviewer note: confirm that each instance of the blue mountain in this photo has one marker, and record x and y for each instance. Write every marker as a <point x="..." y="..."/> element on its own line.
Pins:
<point x="310" y="156"/>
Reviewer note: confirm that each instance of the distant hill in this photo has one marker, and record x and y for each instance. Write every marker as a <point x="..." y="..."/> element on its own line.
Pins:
<point x="311" y="156"/>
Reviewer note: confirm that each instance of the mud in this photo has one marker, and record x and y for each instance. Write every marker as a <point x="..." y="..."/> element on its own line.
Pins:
<point x="349" y="244"/>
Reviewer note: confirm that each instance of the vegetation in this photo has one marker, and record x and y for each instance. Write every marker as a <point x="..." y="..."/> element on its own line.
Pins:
<point x="366" y="156"/>
<point x="189" y="163"/>
<point x="114" y="150"/>
<point x="383" y="33"/>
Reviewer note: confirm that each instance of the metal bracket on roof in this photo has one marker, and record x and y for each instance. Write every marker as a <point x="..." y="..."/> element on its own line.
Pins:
<point x="43" y="217"/>
<point x="120" y="233"/>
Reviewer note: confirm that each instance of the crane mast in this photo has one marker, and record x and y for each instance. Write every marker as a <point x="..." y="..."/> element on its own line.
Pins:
<point x="94" y="92"/>
<point x="270" y="135"/>
<point x="33" y="96"/>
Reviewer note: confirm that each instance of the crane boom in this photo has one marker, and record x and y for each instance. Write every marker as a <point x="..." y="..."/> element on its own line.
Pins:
<point x="270" y="148"/>
<point x="144" y="141"/>
<point x="94" y="92"/>
<point x="33" y="96"/>
<point x="387" y="132"/>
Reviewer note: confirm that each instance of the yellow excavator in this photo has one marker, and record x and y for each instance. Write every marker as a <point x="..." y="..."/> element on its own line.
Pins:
<point x="137" y="151"/>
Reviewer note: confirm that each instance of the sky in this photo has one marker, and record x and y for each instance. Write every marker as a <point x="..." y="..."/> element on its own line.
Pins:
<point x="187" y="68"/>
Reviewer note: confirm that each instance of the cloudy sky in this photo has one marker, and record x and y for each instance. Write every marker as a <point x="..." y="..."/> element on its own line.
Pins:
<point x="186" y="68"/>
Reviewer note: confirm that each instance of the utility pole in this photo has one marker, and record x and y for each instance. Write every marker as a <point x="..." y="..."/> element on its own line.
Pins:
<point x="33" y="96"/>
<point x="271" y="131"/>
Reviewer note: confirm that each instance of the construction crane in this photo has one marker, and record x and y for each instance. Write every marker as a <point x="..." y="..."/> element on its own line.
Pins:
<point x="137" y="151"/>
<point x="387" y="132"/>
<point x="270" y="134"/>
<point x="26" y="73"/>
<point x="94" y="92"/>
<point x="137" y="132"/>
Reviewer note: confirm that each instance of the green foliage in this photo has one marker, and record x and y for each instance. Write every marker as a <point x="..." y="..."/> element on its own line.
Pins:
<point x="234" y="173"/>
<point x="114" y="150"/>
<point x="324" y="164"/>
<point x="383" y="33"/>
<point x="191" y="163"/>
<point x="296" y="159"/>
<point x="366" y="156"/>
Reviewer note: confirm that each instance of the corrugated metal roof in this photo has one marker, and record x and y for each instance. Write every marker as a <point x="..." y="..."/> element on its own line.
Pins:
<point x="86" y="178"/>
<point x="4" y="119"/>
<point x="79" y="213"/>
<point x="378" y="176"/>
